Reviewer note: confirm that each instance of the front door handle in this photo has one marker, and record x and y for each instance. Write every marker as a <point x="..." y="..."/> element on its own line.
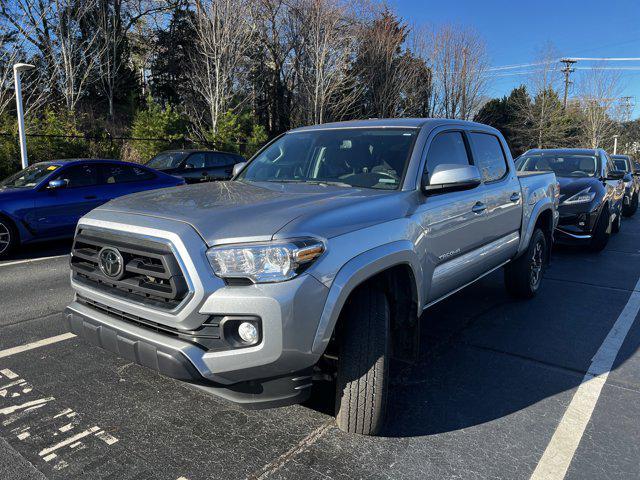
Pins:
<point x="515" y="196"/>
<point x="478" y="208"/>
<point x="90" y="197"/>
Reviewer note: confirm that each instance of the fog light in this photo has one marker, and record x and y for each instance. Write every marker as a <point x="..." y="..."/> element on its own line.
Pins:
<point x="248" y="332"/>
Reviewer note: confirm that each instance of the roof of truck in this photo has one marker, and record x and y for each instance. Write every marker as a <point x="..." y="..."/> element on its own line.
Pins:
<point x="389" y="123"/>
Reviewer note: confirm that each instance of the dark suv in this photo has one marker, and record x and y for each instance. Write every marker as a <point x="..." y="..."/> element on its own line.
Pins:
<point x="196" y="166"/>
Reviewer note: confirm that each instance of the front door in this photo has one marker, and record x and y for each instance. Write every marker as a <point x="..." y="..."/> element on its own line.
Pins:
<point x="58" y="210"/>
<point x="454" y="223"/>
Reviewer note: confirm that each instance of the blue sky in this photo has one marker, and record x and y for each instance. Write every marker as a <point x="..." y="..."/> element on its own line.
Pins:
<point x="515" y="31"/>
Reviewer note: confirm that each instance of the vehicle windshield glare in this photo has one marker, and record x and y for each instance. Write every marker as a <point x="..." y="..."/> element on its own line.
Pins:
<point x="358" y="157"/>
<point x="29" y="177"/>
<point x="622" y="164"/>
<point x="563" y="165"/>
<point x="166" y="160"/>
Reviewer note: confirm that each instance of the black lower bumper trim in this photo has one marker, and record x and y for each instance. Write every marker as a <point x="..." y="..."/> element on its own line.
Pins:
<point x="170" y="361"/>
<point x="165" y="360"/>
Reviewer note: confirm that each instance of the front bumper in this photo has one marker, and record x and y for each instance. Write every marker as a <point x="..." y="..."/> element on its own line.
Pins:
<point x="576" y="224"/>
<point x="182" y="360"/>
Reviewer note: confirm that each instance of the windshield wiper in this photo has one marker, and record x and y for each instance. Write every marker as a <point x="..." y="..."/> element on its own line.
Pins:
<point x="324" y="183"/>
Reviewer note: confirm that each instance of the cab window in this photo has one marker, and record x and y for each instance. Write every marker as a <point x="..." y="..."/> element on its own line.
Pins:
<point x="488" y="156"/>
<point x="124" y="174"/>
<point x="447" y="148"/>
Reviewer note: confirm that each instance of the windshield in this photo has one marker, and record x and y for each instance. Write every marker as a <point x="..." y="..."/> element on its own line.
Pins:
<point x="357" y="157"/>
<point x="29" y="177"/>
<point x="621" y="164"/>
<point x="563" y="165"/>
<point x="166" y="160"/>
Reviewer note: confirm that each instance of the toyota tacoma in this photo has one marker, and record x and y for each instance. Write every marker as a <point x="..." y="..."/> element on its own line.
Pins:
<point x="315" y="262"/>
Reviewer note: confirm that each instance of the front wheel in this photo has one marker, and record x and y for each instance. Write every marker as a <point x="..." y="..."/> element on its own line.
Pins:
<point x="363" y="362"/>
<point x="601" y="232"/>
<point x="523" y="276"/>
<point x="630" y="210"/>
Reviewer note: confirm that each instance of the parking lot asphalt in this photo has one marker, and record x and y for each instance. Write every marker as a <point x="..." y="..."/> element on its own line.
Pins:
<point x="496" y="386"/>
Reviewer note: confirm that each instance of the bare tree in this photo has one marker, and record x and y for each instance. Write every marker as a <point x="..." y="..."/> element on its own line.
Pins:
<point x="327" y="41"/>
<point x="599" y="90"/>
<point x="109" y="44"/>
<point x="223" y="32"/>
<point x="9" y="55"/>
<point x="75" y="54"/>
<point x="459" y="63"/>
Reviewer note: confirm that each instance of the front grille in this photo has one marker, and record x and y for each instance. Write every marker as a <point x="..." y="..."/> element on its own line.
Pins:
<point x="151" y="273"/>
<point x="207" y="336"/>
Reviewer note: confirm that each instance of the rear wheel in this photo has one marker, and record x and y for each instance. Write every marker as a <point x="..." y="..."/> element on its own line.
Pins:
<point x="8" y="237"/>
<point x="523" y="276"/>
<point x="601" y="232"/>
<point x="363" y="362"/>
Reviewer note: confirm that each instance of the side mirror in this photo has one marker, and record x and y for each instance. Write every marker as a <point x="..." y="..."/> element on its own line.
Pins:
<point x="237" y="168"/>
<point x="58" y="183"/>
<point x="451" y="177"/>
<point x="628" y="177"/>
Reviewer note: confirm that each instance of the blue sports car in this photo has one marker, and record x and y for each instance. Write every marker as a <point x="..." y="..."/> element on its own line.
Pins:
<point x="45" y="200"/>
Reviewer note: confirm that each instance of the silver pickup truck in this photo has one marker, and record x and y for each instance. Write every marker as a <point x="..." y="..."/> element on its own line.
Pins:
<point x="315" y="262"/>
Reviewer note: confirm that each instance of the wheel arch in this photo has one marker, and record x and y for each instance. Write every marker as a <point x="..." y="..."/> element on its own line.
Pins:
<point x="394" y="267"/>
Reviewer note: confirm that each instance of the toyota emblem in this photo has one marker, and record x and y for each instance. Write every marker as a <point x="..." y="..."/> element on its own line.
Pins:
<point x="111" y="262"/>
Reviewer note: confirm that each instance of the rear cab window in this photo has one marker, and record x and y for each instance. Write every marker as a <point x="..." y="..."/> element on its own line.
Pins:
<point x="488" y="156"/>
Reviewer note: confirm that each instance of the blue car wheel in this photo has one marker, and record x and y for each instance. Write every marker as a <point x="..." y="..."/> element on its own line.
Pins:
<point x="8" y="237"/>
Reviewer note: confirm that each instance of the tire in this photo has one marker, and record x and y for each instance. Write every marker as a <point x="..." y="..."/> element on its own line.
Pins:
<point x="363" y="362"/>
<point x="8" y="237"/>
<point x="523" y="276"/>
<point x="615" y="228"/>
<point x="601" y="233"/>
<point x="630" y="210"/>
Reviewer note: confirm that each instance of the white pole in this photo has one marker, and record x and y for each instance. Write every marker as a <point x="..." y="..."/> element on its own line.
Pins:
<point x="615" y="144"/>
<point x="17" y="68"/>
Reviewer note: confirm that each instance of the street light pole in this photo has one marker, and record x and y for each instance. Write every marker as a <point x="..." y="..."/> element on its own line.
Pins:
<point x="615" y="144"/>
<point x="17" y="68"/>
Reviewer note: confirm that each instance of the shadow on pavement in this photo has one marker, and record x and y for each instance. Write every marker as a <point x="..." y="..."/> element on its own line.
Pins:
<point x="41" y="249"/>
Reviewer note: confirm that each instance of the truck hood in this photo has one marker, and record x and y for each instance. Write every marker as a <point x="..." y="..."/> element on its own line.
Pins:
<point x="226" y="212"/>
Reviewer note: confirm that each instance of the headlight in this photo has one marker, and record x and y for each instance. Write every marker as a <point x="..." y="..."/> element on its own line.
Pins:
<point x="583" y="196"/>
<point x="266" y="262"/>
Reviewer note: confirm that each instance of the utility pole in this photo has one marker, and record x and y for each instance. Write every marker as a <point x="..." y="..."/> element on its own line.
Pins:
<point x="17" y="68"/>
<point x="567" y="70"/>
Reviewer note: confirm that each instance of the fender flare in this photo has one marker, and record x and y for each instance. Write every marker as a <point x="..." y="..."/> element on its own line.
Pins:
<point x="355" y="272"/>
<point x="538" y="209"/>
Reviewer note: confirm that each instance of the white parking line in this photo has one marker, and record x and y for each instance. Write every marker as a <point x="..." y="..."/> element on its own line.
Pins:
<point x="557" y="456"/>
<point x="31" y="260"/>
<point x="40" y="343"/>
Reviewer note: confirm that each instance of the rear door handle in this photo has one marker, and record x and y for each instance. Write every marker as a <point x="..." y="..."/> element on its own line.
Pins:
<point x="478" y="208"/>
<point x="515" y="196"/>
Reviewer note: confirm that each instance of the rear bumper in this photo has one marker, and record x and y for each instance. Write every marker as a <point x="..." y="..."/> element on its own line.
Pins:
<point x="182" y="360"/>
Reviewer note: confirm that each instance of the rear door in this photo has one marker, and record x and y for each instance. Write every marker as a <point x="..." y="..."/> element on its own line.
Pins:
<point x="59" y="210"/>
<point x="502" y="194"/>
<point x="454" y="222"/>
